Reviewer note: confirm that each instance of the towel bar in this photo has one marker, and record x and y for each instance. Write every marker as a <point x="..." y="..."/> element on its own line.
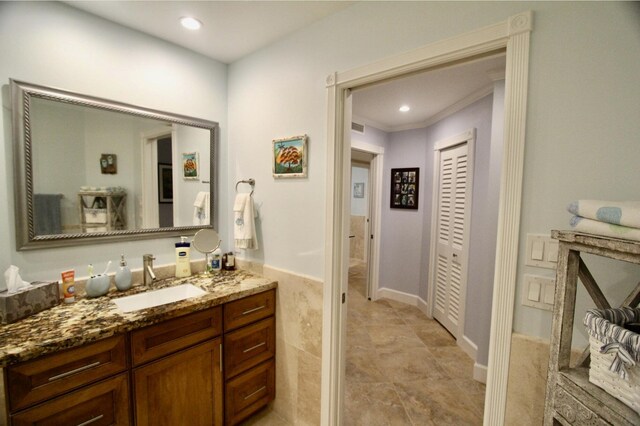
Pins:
<point x="251" y="182"/>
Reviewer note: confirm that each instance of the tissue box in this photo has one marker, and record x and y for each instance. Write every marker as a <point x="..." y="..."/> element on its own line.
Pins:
<point x="28" y="301"/>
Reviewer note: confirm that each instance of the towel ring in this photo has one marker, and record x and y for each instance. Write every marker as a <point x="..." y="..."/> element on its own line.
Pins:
<point x="251" y="182"/>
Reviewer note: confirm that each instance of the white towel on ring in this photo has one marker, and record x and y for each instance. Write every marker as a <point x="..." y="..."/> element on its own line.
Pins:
<point x="244" y="227"/>
<point x="201" y="209"/>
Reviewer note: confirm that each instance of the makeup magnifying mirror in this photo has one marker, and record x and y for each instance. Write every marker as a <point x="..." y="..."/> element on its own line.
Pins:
<point x="206" y="241"/>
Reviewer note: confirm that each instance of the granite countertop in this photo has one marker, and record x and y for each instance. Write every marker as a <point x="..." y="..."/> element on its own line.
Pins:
<point x="87" y="320"/>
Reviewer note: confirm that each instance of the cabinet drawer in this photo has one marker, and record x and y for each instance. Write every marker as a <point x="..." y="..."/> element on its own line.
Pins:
<point x="249" y="309"/>
<point x="249" y="392"/>
<point x="249" y="346"/>
<point x="170" y="336"/>
<point x="52" y="375"/>
<point x="103" y="403"/>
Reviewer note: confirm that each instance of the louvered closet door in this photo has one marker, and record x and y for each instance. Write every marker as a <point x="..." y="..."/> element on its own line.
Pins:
<point x="450" y="278"/>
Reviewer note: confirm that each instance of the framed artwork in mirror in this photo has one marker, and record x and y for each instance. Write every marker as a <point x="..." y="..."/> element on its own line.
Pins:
<point x="165" y="183"/>
<point x="405" y="188"/>
<point x="109" y="164"/>
<point x="358" y="190"/>
<point x="190" y="165"/>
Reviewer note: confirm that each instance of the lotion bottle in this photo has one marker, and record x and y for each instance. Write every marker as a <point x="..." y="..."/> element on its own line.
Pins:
<point x="216" y="262"/>
<point x="123" y="275"/>
<point x="183" y="261"/>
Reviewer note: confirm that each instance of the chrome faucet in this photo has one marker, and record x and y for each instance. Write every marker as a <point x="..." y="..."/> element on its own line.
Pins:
<point x="147" y="269"/>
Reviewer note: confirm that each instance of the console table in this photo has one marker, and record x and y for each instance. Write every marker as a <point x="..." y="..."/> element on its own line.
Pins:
<point x="571" y="399"/>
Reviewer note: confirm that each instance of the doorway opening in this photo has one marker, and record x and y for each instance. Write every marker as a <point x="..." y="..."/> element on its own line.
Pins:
<point x="512" y="35"/>
<point x="158" y="190"/>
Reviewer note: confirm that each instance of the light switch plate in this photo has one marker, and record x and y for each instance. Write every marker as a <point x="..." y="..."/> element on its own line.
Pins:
<point x="538" y="291"/>
<point x="542" y="251"/>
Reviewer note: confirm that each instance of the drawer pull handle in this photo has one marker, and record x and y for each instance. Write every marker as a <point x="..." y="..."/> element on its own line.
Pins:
<point x="77" y="370"/>
<point x="254" y="309"/>
<point x="254" y="347"/>
<point x="253" y="393"/>
<point x="95" y="419"/>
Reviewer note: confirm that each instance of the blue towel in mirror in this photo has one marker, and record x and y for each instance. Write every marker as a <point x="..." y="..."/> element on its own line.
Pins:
<point x="47" y="215"/>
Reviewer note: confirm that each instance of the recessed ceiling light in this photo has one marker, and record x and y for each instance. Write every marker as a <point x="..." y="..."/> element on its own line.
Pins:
<point x="404" y="108"/>
<point x="190" y="23"/>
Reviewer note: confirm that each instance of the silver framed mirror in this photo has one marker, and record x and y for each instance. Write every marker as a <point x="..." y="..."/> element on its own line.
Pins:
<point x="88" y="169"/>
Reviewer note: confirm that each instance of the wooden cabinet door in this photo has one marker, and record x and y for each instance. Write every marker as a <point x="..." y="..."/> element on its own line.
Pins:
<point x="181" y="389"/>
<point x="101" y="404"/>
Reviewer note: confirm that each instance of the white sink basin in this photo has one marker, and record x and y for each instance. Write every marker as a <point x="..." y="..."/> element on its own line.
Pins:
<point x="153" y="298"/>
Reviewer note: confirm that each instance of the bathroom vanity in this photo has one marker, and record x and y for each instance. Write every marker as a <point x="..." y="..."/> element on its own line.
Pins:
<point x="201" y="361"/>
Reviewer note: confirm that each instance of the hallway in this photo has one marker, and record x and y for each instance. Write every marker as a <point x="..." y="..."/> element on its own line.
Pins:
<point x="404" y="368"/>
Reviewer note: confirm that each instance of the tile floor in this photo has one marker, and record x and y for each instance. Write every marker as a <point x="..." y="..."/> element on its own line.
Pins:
<point x="402" y="368"/>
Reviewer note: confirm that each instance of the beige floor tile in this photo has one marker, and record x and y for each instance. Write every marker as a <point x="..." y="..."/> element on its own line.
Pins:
<point x="266" y="417"/>
<point x="396" y="353"/>
<point x="394" y="336"/>
<point x="438" y="401"/>
<point x="373" y="404"/>
<point x="433" y="334"/>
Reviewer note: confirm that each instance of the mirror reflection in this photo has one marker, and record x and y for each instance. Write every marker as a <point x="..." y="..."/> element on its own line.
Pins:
<point x="101" y="169"/>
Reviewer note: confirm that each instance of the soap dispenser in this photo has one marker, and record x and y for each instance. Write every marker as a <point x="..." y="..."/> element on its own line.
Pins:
<point x="123" y="275"/>
<point x="183" y="261"/>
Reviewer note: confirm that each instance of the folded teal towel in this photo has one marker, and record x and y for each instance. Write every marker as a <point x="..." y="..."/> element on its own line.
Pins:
<point x="625" y="213"/>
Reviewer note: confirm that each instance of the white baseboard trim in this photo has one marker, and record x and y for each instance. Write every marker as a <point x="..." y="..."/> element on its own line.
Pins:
<point x="398" y="296"/>
<point x="402" y="297"/>
<point x="480" y="373"/>
<point x="468" y="347"/>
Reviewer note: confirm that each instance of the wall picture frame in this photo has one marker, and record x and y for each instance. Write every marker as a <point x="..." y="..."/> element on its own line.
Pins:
<point x="109" y="164"/>
<point x="358" y="190"/>
<point x="405" y="188"/>
<point x="165" y="183"/>
<point x="190" y="166"/>
<point x="290" y="157"/>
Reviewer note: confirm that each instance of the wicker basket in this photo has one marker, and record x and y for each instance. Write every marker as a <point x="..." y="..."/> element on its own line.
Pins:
<point x="95" y="215"/>
<point x="615" y="353"/>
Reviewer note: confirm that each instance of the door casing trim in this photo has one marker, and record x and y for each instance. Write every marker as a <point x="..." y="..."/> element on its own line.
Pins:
<point x="512" y="35"/>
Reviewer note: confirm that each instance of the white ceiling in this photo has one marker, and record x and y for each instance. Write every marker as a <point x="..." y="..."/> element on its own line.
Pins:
<point x="431" y="95"/>
<point x="231" y="29"/>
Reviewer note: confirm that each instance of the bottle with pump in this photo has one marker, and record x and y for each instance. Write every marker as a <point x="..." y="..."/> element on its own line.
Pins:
<point x="123" y="275"/>
<point x="183" y="260"/>
<point x="216" y="260"/>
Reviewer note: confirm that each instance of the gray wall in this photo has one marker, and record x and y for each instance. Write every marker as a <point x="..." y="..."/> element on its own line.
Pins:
<point x="406" y="233"/>
<point x="402" y="230"/>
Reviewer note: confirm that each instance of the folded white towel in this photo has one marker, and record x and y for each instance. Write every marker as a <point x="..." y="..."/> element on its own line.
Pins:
<point x="201" y="209"/>
<point x="589" y="226"/>
<point x="244" y="227"/>
<point x="626" y="213"/>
